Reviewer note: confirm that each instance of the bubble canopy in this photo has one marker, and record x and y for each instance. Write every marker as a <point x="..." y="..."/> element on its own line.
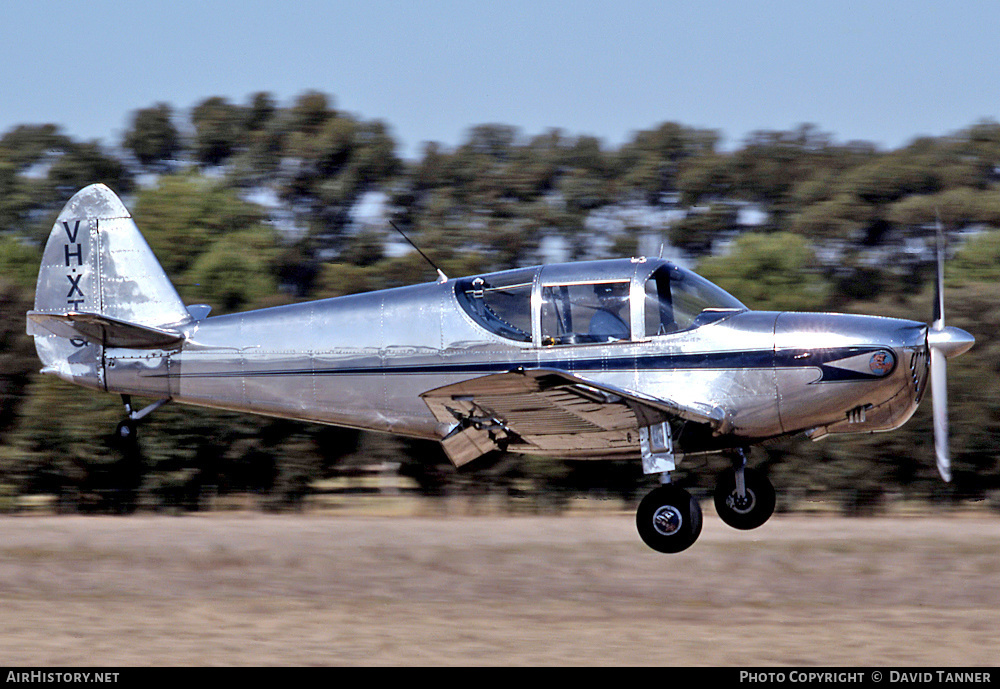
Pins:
<point x="593" y="302"/>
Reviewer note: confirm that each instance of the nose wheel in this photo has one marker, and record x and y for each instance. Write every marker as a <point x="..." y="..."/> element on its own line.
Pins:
<point x="668" y="519"/>
<point x="747" y="506"/>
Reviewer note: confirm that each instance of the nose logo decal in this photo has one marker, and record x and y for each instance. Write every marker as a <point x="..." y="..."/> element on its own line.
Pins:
<point x="868" y="364"/>
<point x="882" y="362"/>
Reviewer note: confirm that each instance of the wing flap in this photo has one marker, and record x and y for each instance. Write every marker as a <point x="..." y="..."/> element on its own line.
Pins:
<point x="551" y="411"/>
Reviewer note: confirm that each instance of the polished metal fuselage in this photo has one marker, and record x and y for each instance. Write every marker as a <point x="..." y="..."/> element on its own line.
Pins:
<point x="363" y="361"/>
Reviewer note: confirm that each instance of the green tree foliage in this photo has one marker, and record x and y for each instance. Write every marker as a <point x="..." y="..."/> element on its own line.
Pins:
<point x="840" y="217"/>
<point x="329" y="159"/>
<point x="218" y="128"/>
<point x="769" y="272"/>
<point x="498" y="194"/>
<point x="194" y="457"/>
<point x="978" y="261"/>
<point x="256" y="158"/>
<point x="85" y="163"/>
<point x="701" y="227"/>
<point x="25" y="145"/>
<point x="770" y="165"/>
<point x="213" y="245"/>
<point x="955" y="208"/>
<point x="17" y="350"/>
<point x="152" y="136"/>
<point x="185" y="213"/>
<point x="40" y="169"/>
<point x="61" y="446"/>
<point x="234" y="274"/>
<point x="19" y="261"/>
<point x="843" y="226"/>
<point x="705" y="178"/>
<point x="15" y="196"/>
<point x="653" y="159"/>
<point x="18" y="269"/>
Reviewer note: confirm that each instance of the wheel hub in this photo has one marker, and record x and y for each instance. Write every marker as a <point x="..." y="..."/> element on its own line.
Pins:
<point x="667" y="520"/>
<point x="741" y="505"/>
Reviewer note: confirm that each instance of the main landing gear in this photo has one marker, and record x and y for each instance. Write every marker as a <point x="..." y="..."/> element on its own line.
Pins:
<point x="745" y="506"/>
<point x="669" y="519"/>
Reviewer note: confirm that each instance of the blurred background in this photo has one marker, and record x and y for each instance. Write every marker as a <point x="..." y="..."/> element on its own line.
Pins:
<point x="231" y="131"/>
<point x="258" y="203"/>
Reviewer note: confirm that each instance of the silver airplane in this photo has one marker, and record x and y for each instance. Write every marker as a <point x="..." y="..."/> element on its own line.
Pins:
<point x="632" y="358"/>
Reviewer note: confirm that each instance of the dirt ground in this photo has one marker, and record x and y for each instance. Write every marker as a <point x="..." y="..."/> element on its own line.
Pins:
<point x="321" y="589"/>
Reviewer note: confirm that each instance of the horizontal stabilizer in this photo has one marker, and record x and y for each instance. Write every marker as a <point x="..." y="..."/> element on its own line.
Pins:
<point x="103" y="330"/>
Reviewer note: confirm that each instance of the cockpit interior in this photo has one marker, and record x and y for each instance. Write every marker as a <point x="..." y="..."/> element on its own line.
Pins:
<point x="619" y="301"/>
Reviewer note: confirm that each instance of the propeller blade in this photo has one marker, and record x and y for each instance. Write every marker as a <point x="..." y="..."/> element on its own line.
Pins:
<point x="938" y="320"/>
<point x="939" y="401"/>
<point x="939" y="366"/>
<point x="942" y="343"/>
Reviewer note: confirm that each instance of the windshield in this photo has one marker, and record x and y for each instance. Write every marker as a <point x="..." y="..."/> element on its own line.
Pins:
<point x="677" y="299"/>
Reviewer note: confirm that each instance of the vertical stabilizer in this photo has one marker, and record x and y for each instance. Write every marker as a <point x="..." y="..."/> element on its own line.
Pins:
<point x="97" y="263"/>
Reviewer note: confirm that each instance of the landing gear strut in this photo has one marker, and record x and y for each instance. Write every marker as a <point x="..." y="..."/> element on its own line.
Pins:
<point x="669" y="519"/>
<point x="744" y="498"/>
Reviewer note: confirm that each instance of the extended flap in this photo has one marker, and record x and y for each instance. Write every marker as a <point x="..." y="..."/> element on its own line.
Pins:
<point x="549" y="410"/>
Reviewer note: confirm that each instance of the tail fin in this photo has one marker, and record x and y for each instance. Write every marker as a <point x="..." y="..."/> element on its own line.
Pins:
<point x="99" y="285"/>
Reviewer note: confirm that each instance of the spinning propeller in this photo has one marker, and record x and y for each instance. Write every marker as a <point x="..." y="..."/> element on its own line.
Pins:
<point x="942" y="343"/>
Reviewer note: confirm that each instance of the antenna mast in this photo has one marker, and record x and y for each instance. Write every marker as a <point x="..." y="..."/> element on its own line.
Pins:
<point x="441" y="276"/>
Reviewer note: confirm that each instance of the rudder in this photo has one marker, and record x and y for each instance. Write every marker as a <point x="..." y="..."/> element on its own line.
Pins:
<point x="96" y="263"/>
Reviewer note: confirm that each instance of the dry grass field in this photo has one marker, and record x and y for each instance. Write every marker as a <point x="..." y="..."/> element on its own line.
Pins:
<point x="320" y="589"/>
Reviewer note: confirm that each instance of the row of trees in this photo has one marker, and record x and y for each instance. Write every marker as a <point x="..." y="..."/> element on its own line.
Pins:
<point x="258" y="204"/>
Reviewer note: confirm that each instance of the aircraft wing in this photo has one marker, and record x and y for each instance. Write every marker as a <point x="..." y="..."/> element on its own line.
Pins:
<point x="551" y="411"/>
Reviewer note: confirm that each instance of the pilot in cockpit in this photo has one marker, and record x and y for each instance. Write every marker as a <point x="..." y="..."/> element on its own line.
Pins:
<point x="608" y="323"/>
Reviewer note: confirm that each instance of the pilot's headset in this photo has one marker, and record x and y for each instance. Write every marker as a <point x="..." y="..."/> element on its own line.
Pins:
<point x="606" y="291"/>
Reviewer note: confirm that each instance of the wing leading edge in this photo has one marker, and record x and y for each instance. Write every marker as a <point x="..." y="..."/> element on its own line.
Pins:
<point x="549" y="411"/>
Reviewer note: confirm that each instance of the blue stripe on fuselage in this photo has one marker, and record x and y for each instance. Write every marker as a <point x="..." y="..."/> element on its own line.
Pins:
<point x="736" y="360"/>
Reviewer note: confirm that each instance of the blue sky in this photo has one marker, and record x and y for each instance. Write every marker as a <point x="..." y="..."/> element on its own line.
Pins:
<point x="879" y="71"/>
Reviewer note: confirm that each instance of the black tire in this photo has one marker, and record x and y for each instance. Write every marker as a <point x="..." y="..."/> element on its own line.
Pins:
<point x="668" y="519"/>
<point x="126" y="432"/>
<point x="751" y="511"/>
